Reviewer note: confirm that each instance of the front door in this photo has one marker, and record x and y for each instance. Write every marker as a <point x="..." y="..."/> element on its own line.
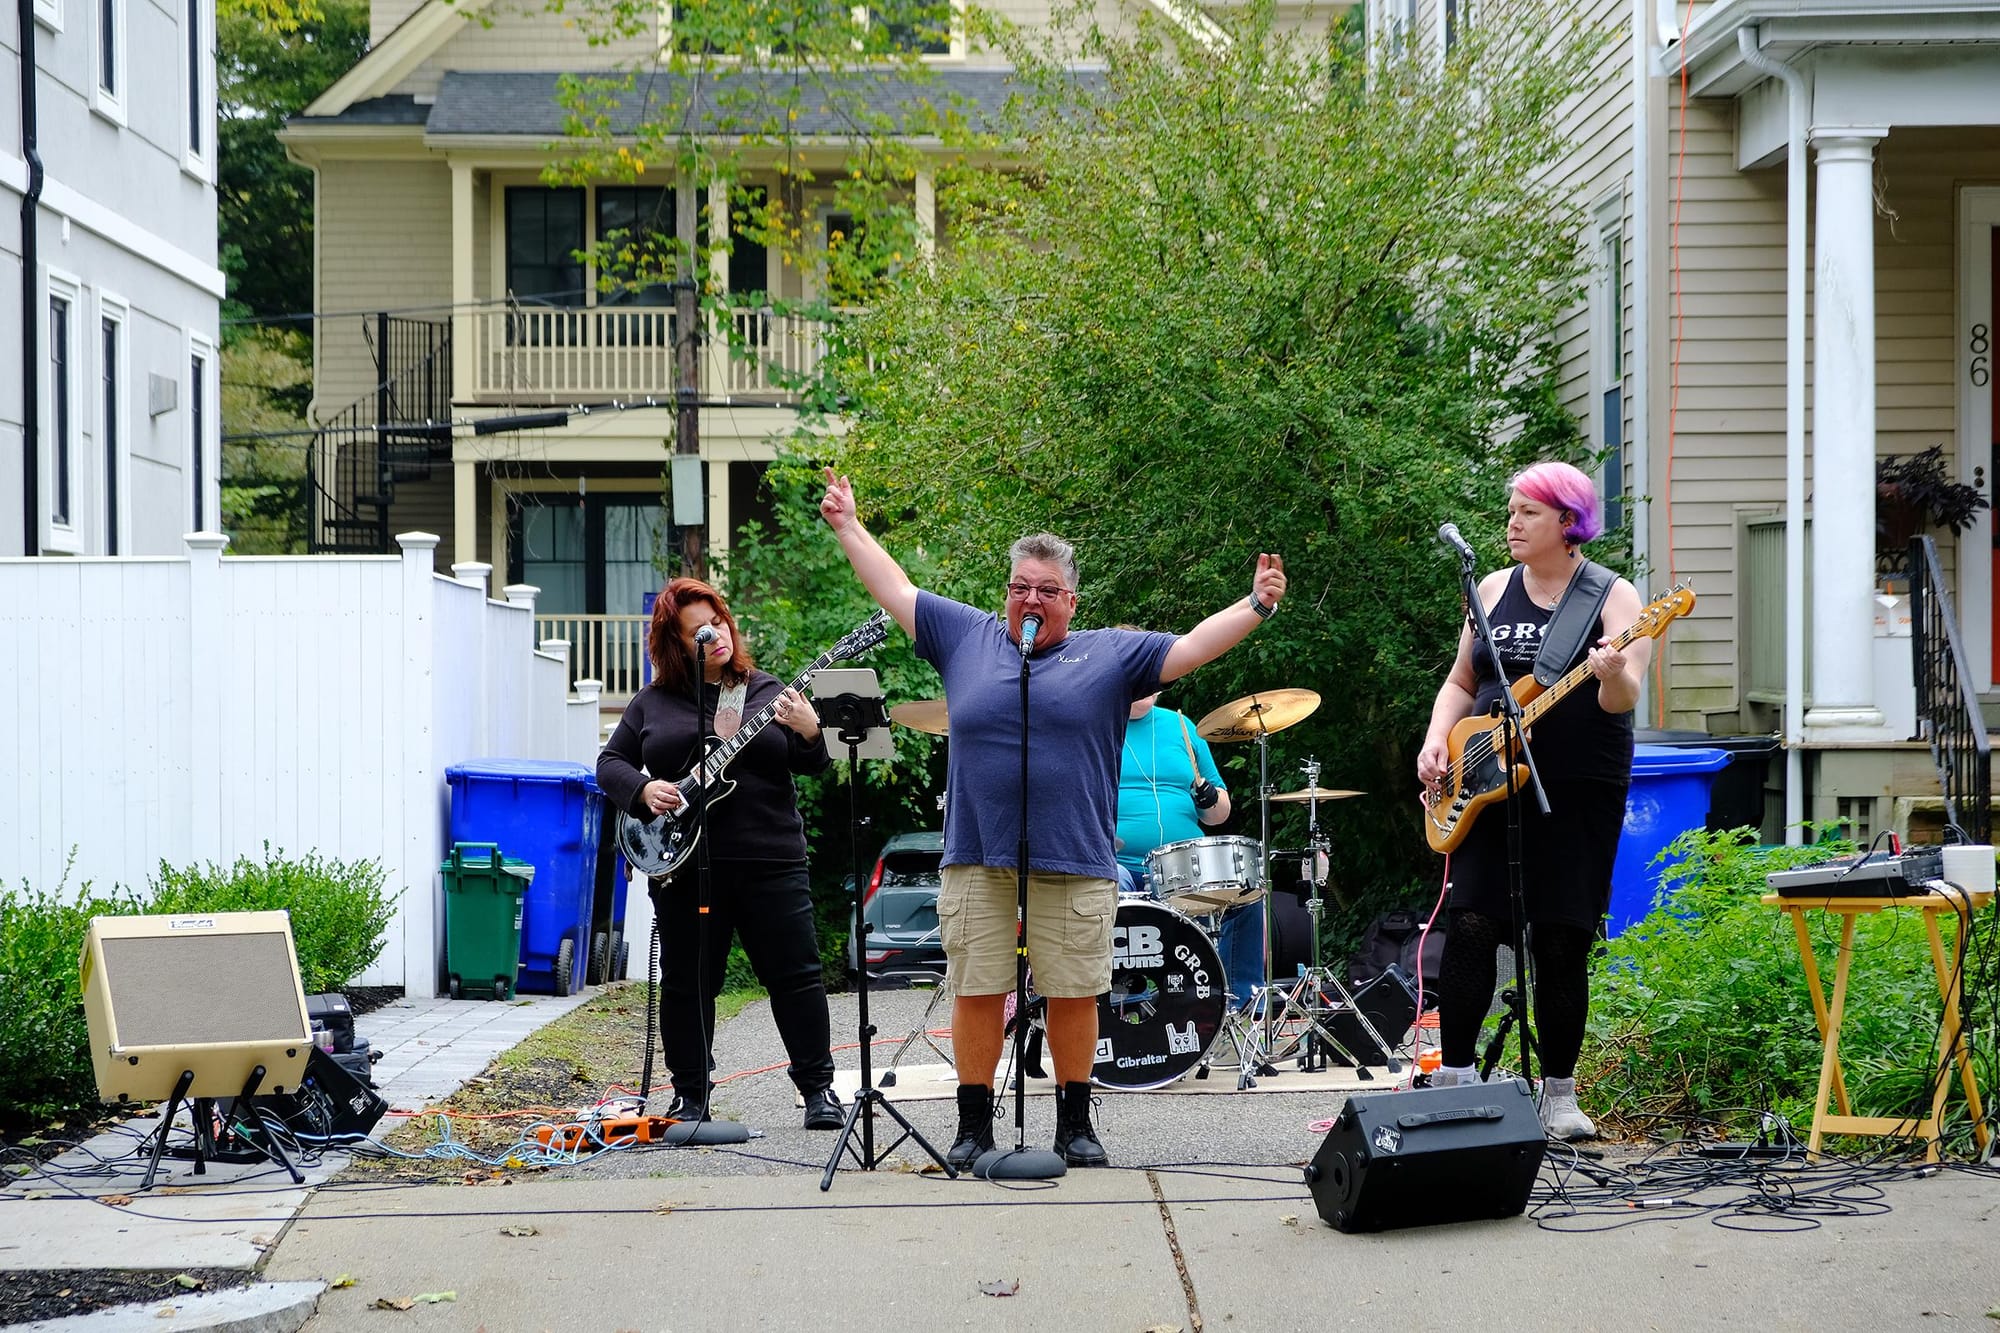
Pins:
<point x="1978" y="411"/>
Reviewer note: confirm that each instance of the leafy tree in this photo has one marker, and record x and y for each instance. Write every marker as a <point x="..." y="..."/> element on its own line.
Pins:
<point x="1269" y="294"/>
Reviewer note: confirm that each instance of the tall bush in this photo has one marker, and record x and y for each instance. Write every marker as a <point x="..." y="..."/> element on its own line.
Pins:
<point x="1701" y="1010"/>
<point x="339" y="909"/>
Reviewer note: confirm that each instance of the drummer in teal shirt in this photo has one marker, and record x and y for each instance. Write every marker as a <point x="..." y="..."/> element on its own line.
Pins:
<point x="1169" y="790"/>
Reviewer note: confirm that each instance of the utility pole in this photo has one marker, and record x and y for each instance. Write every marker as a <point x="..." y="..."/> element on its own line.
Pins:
<point x="690" y="511"/>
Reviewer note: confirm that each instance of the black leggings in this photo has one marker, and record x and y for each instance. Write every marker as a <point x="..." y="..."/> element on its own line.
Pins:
<point x="768" y="905"/>
<point x="1466" y="978"/>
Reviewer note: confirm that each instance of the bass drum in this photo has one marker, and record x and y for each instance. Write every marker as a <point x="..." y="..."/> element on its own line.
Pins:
<point x="1166" y="1001"/>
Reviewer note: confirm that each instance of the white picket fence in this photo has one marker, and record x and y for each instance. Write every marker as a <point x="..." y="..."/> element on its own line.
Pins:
<point x="195" y="709"/>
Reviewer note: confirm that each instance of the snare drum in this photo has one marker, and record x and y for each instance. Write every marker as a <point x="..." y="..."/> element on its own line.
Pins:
<point x="1166" y="1000"/>
<point x="1202" y="875"/>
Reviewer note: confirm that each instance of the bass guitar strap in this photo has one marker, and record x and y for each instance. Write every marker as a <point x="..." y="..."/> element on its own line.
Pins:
<point x="1570" y="626"/>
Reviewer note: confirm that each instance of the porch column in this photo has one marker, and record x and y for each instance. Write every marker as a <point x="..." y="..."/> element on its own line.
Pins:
<point x="1843" y="436"/>
<point x="464" y="511"/>
<point x="924" y="204"/>
<point x="464" y="365"/>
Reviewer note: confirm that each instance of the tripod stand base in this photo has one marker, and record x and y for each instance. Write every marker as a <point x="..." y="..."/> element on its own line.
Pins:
<point x="866" y="1103"/>
<point x="1019" y="1164"/>
<point x="704" y="1133"/>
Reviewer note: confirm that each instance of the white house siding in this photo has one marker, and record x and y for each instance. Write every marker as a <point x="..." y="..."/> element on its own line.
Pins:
<point x="122" y="219"/>
<point x="385" y="244"/>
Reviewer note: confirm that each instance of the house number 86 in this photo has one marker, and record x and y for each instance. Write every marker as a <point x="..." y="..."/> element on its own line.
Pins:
<point x="1980" y="344"/>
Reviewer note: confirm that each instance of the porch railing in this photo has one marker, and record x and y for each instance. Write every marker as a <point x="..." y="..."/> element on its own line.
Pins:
<point x="610" y="648"/>
<point x="564" y="354"/>
<point x="1947" y="706"/>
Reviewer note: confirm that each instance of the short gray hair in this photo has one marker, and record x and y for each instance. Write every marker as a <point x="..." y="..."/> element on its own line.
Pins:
<point x="1048" y="548"/>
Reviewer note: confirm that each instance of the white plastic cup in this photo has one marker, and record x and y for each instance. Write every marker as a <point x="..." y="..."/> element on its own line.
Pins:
<point x="1970" y="866"/>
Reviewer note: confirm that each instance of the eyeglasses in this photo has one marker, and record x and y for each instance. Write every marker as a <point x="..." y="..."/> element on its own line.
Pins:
<point x="1048" y="592"/>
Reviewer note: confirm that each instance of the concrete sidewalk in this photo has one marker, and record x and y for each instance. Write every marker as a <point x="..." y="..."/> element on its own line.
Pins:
<point x="1205" y="1222"/>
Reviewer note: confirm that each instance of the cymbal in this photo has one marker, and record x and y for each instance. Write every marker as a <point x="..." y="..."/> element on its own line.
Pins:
<point x="922" y="715"/>
<point x="1316" y="794"/>
<point x="1253" y="715"/>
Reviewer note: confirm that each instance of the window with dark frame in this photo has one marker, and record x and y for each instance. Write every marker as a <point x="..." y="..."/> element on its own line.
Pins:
<point x="195" y="80"/>
<point x="198" y="426"/>
<point x="914" y="26"/>
<point x="108" y="358"/>
<point x="1611" y="401"/>
<point x="107" y="45"/>
<point x="61" y="414"/>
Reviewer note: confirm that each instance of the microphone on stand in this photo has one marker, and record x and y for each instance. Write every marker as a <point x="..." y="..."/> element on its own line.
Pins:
<point x="1030" y="626"/>
<point x="1448" y="534"/>
<point x="706" y="634"/>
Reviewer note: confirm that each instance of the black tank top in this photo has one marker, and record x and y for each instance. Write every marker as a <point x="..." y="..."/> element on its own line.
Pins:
<point x="1574" y="739"/>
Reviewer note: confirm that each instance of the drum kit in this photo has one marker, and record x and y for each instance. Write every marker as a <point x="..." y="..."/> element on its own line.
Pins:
<point x="1169" y="1005"/>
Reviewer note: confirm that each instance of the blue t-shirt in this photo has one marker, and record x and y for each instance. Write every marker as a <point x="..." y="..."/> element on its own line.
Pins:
<point x="1155" y="785"/>
<point x="1080" y="695"/>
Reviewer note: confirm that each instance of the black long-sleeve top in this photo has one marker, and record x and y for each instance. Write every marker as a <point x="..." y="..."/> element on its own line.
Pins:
<point x="759" y="821"/>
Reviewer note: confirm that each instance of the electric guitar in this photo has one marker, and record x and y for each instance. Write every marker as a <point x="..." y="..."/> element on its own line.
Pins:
<point x="660" y="845"/>
<point x="1476" y="776"/>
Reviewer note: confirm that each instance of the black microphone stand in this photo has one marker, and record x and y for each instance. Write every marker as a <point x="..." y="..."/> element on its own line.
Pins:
<point x="704" y="1132"/>
<point x="852" y="717"/>
<point x="1514" y="742"/>
<point x="1021" y="1162"/>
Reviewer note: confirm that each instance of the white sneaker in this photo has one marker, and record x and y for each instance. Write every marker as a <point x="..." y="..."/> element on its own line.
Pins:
<point x="1562" y="1119"/>
<point x="1454" y="1076"/>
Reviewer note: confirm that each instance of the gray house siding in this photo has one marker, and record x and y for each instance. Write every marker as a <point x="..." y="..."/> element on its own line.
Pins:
<point x="126" y="231"/>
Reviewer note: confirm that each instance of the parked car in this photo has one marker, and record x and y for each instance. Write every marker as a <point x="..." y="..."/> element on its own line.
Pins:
<point x="899" y="911"/>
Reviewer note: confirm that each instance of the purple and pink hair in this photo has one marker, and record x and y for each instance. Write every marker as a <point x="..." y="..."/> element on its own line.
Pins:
<point x="1562" y="487"/>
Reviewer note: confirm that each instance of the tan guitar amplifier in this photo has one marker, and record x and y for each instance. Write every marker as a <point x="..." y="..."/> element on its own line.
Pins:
<point x="216" y="995"/>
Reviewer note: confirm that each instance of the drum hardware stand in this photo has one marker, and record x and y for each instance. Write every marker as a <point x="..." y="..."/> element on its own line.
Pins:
<point x="856" y="718"/>
<point x="921" y="1032"/>
<point x="1021" y="1162"/>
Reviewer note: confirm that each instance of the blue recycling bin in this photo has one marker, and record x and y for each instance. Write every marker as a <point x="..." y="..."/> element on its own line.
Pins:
<point x="1669" y="796"/>
<point x="548" y="814"/>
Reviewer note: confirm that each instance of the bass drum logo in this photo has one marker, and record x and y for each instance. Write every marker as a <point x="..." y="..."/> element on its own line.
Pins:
<point x="1388" y="1140"/>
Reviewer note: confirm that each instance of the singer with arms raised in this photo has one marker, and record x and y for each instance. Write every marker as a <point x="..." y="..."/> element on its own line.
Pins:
<point x="1583" y="749"/>
<point x="1083" y="684"/>
<point x="755" y="842"/>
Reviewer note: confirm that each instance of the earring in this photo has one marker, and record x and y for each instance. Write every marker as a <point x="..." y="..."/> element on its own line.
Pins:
<point x="1571" y="548"/>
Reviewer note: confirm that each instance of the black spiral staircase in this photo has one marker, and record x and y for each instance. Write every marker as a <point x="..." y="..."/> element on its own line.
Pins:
<point x="397" y="435"/>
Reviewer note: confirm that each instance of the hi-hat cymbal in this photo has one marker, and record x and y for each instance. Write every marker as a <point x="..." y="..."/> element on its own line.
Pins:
<point x="1254" y="715"/>
<point x="1316" y="794"/>
<point x="922" y="715"/>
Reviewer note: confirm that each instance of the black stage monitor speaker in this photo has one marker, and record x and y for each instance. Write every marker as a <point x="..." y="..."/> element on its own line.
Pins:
<point x="1390" y="1004"/>
<point x="331" y="1103"/>
<point x="1406" y="1159"/>
<point x="216" y="995"/>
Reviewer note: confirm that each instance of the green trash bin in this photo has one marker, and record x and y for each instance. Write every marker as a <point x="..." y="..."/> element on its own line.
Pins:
<point x="483" y="891"/>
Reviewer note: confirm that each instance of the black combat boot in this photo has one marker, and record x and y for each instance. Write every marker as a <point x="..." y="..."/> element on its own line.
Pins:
<point x="975" y="1126"/>
<point x="1075" y="1139"/>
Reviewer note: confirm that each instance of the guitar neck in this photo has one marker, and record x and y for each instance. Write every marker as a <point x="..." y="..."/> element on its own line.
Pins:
<point x="1576" y="675"/>
<point x="718" y="758"/>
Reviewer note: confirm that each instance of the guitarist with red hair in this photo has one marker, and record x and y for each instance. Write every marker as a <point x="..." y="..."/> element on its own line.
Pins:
<point x="1583" y="749"/>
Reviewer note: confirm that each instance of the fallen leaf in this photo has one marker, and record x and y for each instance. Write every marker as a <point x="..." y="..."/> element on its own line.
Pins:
<point x="30" y="1142"/>
<point x="37" y="1194"/>
<point x="663" y="1208"/>
<point x="116" y="1200"/>
<point x="520" y="1229"/>
<point x="260" y="1240"/>
<point x="1290" y="1219"/>
<point x="165" y="1312"/>
<point x="433" y="1297"/>
<point x="1002" y="1287"/>
<point x="392" y="1303"/>
<point x="344" y="1280"/>
<point x="188" y="1282"/>
<point x="64" y="1292"/>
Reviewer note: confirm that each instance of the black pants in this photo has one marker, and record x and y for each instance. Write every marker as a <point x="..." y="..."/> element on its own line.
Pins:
<point x="768" y="905"/>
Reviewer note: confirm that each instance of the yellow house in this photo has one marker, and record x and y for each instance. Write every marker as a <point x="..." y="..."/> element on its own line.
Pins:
<point x="1793" y="222"/>
<point x="473" y="379"/>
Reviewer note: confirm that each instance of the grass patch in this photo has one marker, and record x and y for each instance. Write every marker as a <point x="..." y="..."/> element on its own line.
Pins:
<point x="593" y="1052"/>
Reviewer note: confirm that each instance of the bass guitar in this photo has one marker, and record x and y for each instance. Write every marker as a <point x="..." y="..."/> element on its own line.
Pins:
<point x="660" y="845"/>
<point x="1476" y="775"/>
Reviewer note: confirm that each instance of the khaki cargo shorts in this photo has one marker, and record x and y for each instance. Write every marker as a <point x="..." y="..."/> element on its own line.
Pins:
<point x="1069" y="930"/>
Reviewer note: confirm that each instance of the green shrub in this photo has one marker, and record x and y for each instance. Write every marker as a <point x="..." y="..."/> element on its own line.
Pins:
<point x="45" y="1071"/>
<point x="338" y="908"/>
<point x="1701" y="1009"/>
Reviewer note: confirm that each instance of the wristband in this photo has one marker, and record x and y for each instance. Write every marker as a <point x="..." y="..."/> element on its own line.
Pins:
<point x="1263" y="612"/>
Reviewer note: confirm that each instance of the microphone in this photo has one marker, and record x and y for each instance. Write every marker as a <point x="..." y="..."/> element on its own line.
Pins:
<point x="1030" y="626"/>
<point x="706" y="634"/>
<point x="1448" y="534"/>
